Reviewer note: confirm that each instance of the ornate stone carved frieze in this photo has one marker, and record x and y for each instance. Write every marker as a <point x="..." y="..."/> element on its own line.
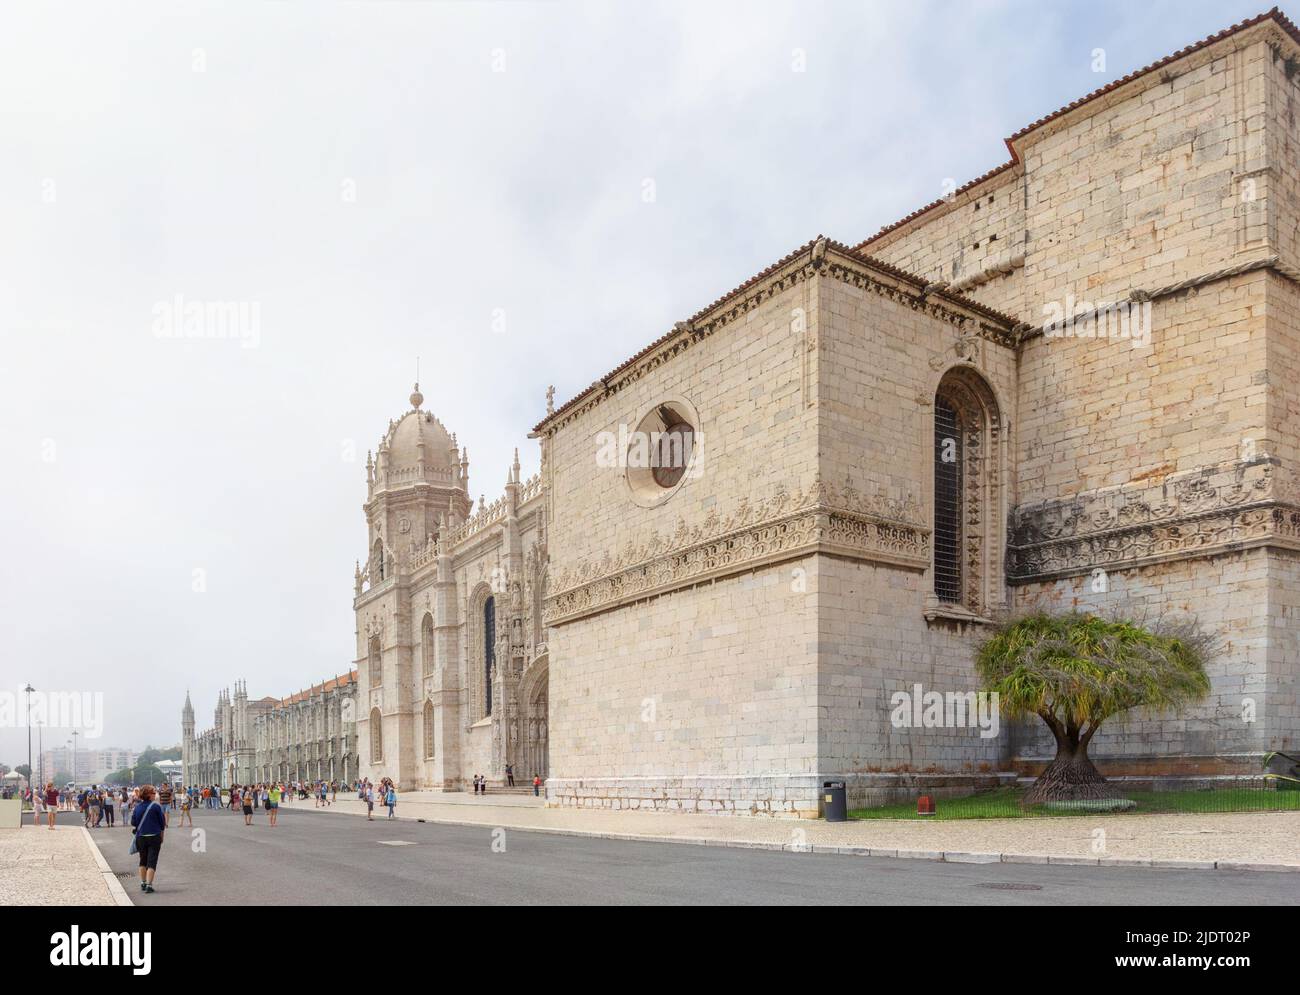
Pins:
<point x="821" y="518"/>
<point x="1214" y="510"/>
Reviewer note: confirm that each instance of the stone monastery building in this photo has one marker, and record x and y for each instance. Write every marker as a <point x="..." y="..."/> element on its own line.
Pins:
<point x="1073" y="382"/>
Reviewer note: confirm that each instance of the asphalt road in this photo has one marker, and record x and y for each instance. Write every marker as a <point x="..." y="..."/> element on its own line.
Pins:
<point x="325" y="859"/>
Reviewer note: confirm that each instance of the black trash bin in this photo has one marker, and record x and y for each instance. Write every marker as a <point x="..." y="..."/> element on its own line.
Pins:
<point x="835" y="807"/>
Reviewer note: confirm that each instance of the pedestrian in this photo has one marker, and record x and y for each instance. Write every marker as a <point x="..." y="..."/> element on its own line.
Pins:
<point x="390" y="799"/>
<point x="108" y="807"/>
<point x="187" y="802"/>
<point x="510" y="775"/>
<point x="37" y="804"/>
<point x="150" y="822"/>
<point x="96" y="804"/>
<point x="165" y="795"/>
<point x="273" y="803"/>
<point x="248" y="807"/>
<point x="51" y="801"/>
<point x="537" y="785"/>
<point x="370" y="804"/>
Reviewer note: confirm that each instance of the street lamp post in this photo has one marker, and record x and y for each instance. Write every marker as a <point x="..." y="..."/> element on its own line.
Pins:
<point x="75" y="734"/>
<point x="28" y="691"/>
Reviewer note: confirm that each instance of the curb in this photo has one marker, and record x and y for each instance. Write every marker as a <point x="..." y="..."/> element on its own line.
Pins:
<point x="944" y="856"/>
<point x="120" y="897"/>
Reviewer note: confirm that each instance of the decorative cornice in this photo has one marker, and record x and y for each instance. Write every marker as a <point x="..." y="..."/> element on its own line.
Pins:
<point x="822" y="256"/>
<point x="1215" y="510"/>
<point x="821" y="519"/>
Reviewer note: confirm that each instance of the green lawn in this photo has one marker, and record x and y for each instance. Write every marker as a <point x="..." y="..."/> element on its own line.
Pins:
<point x="1004" y="803"/>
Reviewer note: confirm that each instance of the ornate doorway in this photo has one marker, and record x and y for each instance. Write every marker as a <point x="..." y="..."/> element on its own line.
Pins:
<point x="533" y="695"/>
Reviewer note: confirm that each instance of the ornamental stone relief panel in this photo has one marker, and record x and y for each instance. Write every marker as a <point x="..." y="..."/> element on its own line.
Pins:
<point x="841" y="519"/>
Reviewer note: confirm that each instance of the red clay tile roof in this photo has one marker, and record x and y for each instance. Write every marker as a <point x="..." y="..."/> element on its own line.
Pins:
<point x="334" y="682"/>
<point x="890" y="270"/>
<point x="1275" y="14"/>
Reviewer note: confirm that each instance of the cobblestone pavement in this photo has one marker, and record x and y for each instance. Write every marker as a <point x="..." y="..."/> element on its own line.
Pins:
<point x="39" y="867"/>
<point x="1248" y="838"/>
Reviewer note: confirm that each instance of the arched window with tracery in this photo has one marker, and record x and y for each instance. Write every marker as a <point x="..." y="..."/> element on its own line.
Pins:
<point x="376" y="662"/>
<point x="967" y="570"/>
<point x="376" y="736"/>
<point x="428" y="730"/>
<point x="377" y="562"/>
<point x="489" y="651"/>
<point x="426" y="645"/>
<point x="947" y="502"/>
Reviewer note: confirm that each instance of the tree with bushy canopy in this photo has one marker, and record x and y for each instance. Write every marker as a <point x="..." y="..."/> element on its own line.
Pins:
<point x="139" y="774"/>
<point x="1075" y="671"/>
<point x="153" y="754"/>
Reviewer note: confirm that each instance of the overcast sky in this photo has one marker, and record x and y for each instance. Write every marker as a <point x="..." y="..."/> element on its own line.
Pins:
<point x="518" y="193"/>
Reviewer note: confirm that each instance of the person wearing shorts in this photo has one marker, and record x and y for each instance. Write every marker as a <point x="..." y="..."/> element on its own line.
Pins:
<point x="150" y="822"/>
<point x="370" y="804"/>
<point x="51" y="801"/>
<point x="247" y="799"/>
<point x="273" y="803"/>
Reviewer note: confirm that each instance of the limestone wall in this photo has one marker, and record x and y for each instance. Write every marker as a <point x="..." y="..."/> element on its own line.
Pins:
<point x="882" y="363"/>
<point x="717" y="678"/>
<point x="976" y="239"/>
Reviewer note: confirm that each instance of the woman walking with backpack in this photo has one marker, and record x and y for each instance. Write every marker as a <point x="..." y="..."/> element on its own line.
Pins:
<point x="150" y="822"/>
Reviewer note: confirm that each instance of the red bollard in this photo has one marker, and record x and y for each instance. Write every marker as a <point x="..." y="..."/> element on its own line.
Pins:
<point x="925" y="805"/>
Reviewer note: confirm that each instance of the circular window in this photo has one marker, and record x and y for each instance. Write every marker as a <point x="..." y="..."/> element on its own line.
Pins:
<point x="661" y="451"/>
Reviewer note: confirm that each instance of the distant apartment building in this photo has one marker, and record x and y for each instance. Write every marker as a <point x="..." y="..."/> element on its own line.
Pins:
<point x="90" y="764"/>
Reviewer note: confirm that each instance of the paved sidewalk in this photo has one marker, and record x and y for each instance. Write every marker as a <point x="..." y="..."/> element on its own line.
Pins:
<point x="39" y="867"/>
<point x="1224" y="839"/>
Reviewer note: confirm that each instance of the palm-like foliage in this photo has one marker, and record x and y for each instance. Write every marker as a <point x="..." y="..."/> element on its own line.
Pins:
<point x="1076" y="670"/>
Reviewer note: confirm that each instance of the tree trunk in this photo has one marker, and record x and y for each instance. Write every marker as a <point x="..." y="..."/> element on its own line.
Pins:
<point x="1071" y="776"/>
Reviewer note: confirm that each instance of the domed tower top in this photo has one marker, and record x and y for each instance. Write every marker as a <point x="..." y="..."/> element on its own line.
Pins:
<point x="417" y="448"/>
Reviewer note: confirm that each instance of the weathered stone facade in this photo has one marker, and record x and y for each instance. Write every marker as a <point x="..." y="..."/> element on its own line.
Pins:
<point x="726" y="639"/>
<point x="309" y="736"/>
<point x="451" y="652"/>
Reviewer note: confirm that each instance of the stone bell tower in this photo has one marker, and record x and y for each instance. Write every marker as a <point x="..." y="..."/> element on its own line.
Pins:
<point x="417" y="481"/>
